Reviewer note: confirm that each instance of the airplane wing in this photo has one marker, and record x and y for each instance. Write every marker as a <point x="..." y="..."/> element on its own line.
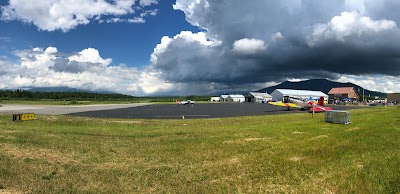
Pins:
<point x="318" y="108"/>
<point x="280" y="103"/>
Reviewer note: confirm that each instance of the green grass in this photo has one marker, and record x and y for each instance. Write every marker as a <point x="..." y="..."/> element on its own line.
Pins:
<point x="264" y="154"/>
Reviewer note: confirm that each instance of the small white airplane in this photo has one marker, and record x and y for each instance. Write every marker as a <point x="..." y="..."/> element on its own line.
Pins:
<point x="185" y="102"/>
<point x="305" y="104"/>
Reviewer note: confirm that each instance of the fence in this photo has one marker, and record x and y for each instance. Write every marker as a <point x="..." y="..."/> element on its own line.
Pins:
<point x="336" y="116"/>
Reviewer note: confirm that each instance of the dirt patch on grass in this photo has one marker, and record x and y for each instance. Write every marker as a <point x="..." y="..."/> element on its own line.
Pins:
<point x="233" y="141"/>
<point x="359" y="165"/>
<point x="297" y="132"/>
<point x="251" y="139"/>
<point x="319" y="137"/>
<point x="6" y="137"/>
<point x="255" y="139"/>
<point x="53" y="136"/>
<point x="9" y="191"/>
<point x="49" y="118"/>
<point x="123" y="122"/>
<point x="277" y="188"/>
<point x="223" y="162"/>
<point x="233" y="160"/>
<point x="296" y="158"/>
<point x="42" y="154"/>
<point x="353" y="129"/>
<point x="128" y="122"/>
<point x="10" y="131"/>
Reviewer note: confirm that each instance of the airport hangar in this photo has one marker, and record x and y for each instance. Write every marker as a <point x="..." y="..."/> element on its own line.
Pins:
<point x="278" y="94"/>
<point x="257" y="97"/>
<point x="228" y="98"/>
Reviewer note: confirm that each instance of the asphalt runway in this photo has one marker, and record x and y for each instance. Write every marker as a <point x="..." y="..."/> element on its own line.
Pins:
<point x="211" y="110"/>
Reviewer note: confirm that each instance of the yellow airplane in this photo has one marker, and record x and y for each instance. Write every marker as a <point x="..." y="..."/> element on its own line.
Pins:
<point x="280" y="103"/>
<point x="302" y="104"/>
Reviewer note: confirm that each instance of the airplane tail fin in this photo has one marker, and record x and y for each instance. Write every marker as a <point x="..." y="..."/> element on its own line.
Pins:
<point x="321" y="101"/>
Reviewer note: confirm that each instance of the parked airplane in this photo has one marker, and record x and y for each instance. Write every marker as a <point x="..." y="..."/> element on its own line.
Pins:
<point x="291" y="102"/>
<point x="185" y="102"/>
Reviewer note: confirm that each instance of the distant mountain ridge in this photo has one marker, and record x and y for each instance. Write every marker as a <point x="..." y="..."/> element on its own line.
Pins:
<point x="322" y="85"/>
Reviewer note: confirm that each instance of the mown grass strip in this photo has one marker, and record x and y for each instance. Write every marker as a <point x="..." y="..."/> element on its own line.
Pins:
<point x="291" y="153"/>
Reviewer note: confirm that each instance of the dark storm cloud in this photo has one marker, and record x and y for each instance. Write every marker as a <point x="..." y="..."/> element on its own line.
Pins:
<point x="64" y="65"/>
<point x="299" y="39"/>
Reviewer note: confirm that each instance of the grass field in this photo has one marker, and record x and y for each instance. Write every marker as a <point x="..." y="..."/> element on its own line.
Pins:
<point x="291" y="153"/>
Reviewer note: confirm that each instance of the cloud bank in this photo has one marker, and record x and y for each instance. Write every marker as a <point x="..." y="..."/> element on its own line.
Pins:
<point x="65" y="15"/>
<point x="241" y="46"/>
<point x="85" y="70"/>
<point x="272" y="41"/>
<point x="88" y="70"/>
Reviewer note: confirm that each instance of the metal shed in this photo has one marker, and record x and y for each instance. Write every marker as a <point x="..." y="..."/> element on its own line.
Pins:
<point x="215" y="99"/>
<point x="257" y="97"/>
<point x="224" y="98"/>
<point x="235" y="98"/>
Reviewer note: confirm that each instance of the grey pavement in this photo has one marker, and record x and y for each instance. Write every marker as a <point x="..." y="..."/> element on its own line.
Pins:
<point x="210" y="110"/>
<point x="157" y="111"/>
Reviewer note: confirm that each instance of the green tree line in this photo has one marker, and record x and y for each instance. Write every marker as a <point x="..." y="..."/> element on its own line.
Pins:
<point x="81" y="96"/>
<point x="28" y="95"/>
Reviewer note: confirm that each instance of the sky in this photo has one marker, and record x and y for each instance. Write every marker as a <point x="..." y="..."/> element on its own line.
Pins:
<point x="197" y="47"/>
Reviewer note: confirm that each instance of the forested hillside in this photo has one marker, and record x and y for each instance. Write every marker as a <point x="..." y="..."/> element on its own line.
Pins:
<point x="28" y="95"/>
<point x="89" y="96"/>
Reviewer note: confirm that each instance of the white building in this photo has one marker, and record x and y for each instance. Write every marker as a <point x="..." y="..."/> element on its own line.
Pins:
<point x="278" y="94"/>
<point x="235" y="98"/>
<point x="224" y="98"/>
<point x="257" y="97"/>
<point x="216" y="99"/>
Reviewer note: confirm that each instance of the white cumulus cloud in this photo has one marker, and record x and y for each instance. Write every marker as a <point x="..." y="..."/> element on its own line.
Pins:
<point x="348" y="25"/>
<point x="249" y="46"/>
<point x="90" y="55"/>
<point x="186" y="37"/>
<point x="65" y="15"/>
<point x="84" y="70"/>
<point x="381" y="83"/>
<point x="277" y="36"/>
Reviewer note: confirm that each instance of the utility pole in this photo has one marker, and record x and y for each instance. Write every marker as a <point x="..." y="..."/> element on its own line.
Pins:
<point x="363" y="96"/>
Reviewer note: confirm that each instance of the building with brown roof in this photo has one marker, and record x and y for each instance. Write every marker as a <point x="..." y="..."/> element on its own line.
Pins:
<point x="393" y="97"/>
<point x="343" y="93"/>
